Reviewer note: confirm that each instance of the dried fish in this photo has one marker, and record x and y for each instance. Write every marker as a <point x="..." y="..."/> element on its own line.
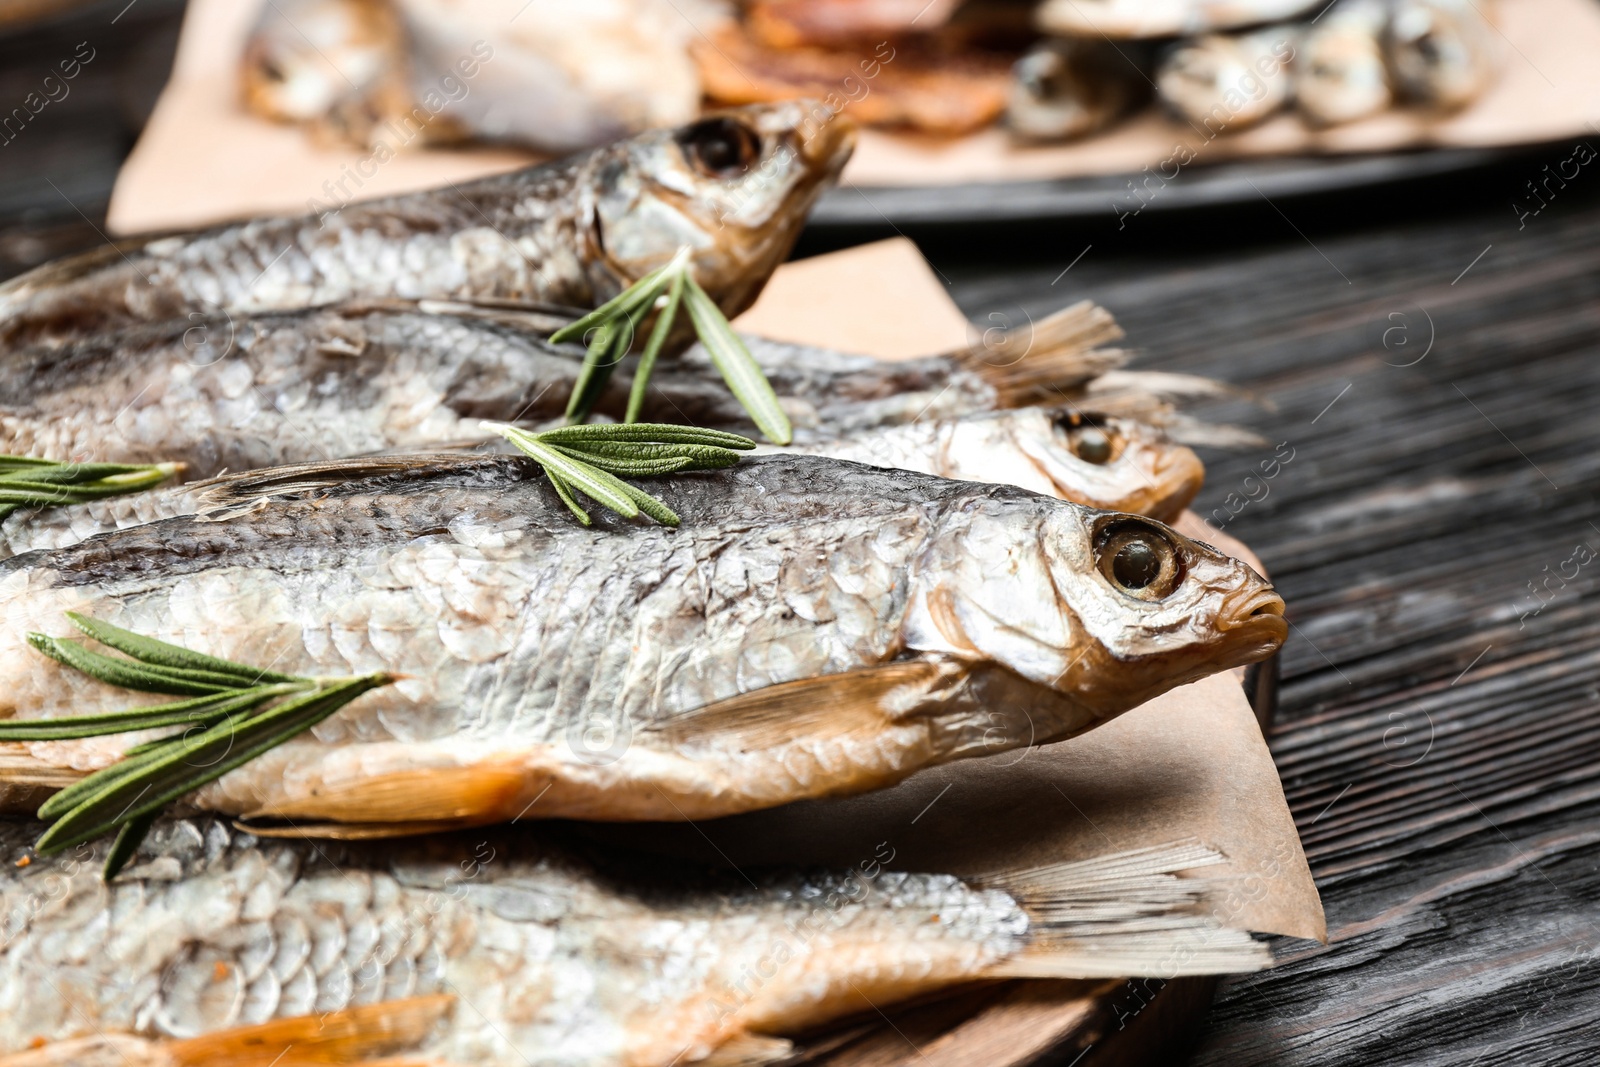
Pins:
<point x="1072" y="86"/>
<point x="1225" y="83"/>
<point x="1163" y="18"/>
<point x="1339" y="72"/>
<point x="1442" y="53"/>
<point x="531" y="948"/>
<point x="814" y="627"/>
<point x="735" y="186"/>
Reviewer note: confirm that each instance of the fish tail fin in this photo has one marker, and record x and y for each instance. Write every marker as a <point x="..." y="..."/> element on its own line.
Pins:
<point x="1125" y="913"/>
<point x="1062" y="352"/>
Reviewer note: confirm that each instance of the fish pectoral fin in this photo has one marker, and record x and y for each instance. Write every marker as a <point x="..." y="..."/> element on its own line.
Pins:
<point x="225" y="494"/>
<point x="465" y="795"/>
<point x="354" y="1035"/>
<point x="864" y="700"/>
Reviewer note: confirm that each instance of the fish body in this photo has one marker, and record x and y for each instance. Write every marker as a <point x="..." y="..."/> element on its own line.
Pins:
<point x="1162" y="18"/>
<point x="1070" y="87"/>
<point x="815" y="627"/>
<point x="735" y="187"/>
<point x="1441" y="53"/>
<point x="1339" y="71"/>
<point x="1220" y="82"/>
<point x="528" y="948"/>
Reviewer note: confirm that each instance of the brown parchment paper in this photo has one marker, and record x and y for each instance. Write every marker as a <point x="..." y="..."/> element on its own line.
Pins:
<point x="202" y="158"/>
<point x="1190" y="764"/>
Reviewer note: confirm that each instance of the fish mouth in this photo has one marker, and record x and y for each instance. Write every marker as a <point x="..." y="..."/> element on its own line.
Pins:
<point x="827" y="140"/>
<point x="1252" y="623"/>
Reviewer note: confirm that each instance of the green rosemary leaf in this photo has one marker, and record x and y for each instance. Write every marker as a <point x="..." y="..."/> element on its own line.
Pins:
<point x="77" y="473"/>
<point x="651" y="506"/>
<point x="29" y="482"/>
<point x="631" y="467"/>
<point x="604" y="489"/>
<point x="738" y="368"/>
<point x="564" y="491"/>
<point x="155" y="717"/>
<point x="608" y="348"/>
<point x="198" y="761"/>
<point x="127" y="843"/>
<point x="129" y="674"/>
<point x="161" y="654"/>
<point x="652" y="348"/>
<point x="8" y="463"/>
<point x="650" y="432"/>
<point x="644" y="291"/>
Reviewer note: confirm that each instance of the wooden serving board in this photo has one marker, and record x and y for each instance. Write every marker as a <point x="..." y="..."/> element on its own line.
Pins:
<point x="1113" y="1022"/>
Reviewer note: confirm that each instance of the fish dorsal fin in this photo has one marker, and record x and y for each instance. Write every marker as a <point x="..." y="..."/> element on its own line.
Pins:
<point x="1060" y="353"/>
<point x="814" y="708"/>
<point x="227" y="495"/>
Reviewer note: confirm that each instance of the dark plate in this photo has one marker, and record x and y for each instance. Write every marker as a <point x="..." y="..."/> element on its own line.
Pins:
<point x="1082" y="198"/>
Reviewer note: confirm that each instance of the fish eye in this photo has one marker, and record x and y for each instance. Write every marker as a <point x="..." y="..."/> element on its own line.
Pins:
<point x="720" y="148"/>
<point x="1090" y="443"/>
<point x="1139" y="559"/>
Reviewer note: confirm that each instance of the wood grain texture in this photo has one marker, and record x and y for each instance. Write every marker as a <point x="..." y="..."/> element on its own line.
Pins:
<point x="1438" y="733"/>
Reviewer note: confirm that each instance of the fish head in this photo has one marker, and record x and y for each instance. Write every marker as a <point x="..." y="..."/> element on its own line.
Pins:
<point x="305" y="59"/>
<point x="1088" y="458"/>
<point x="1106" y="609"/>
<point x="735" y="187"/>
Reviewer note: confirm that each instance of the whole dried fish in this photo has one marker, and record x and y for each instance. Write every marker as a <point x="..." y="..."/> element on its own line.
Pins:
<point x="1223" y="83"/>
<point x="815" y="627"/>
<point x="1163" y="18"/>
<point x="1442" y="53"/>
<point x="531" y="949"/>
<point x="1072" y="86"/>
<point x="735" y="186"/>
<point x="555" y="76"/>
<point x="1339" y="72"/>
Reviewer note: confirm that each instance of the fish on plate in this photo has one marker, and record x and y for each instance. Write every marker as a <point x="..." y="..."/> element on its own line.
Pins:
<point x="1135" y="19"/>
<point x="554" y="76"/>
<point x="735" y="186"/>
<point x="531" y="948"/>
<point x="815" y="627"/>
<point x="1442" y="53"/>
<point x="1223" y="83"/>
<point x="1339" y="69"/>
<point x="1068" y="87"/>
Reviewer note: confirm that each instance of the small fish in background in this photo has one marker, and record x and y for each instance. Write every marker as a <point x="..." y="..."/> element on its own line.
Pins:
<point x="1069" y="87"/>
<point x="555" y="76"/>
<point x="1442" y="53"/>
<point x="530" y="947"/>
<point x="1134" y="19"/>
<point x="1224" y="83"/>
<point x="1340" y="73"/>
<point x="336" y="67"/>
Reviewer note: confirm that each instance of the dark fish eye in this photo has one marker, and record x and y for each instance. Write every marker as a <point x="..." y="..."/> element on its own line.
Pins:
<point x="1090" y="444"/>
<point x="721" y="147"/>
<point x="1139" y="559"/>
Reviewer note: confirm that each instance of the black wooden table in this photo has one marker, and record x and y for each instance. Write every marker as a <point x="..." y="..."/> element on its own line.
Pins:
<point x="1433" y="369"/>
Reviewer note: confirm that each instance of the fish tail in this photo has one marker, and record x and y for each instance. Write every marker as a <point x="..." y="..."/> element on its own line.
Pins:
<point x="1059" y="352"/>
<point x="1124" y="913"/>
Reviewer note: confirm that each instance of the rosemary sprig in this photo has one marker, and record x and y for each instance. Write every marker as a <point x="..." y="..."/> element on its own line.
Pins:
<point x="31" y="482"/>
<point x="612" y="327"/>
<point x="592" y="460"/>
<point x="233" y="713"/>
